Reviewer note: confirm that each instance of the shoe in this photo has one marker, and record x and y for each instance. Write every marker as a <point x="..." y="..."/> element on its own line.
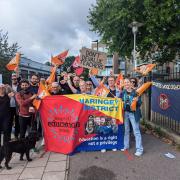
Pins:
<point x="138" y="154"/>
<point x="114" y="149"/>
<point x="103" y="150"/>
<point x="123" y="149"/>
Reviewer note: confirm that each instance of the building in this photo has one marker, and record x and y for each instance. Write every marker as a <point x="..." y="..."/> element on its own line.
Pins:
<point x="28" y="67"/>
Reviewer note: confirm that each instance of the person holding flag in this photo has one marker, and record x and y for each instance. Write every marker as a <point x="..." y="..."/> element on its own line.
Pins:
<point x="113" y="91"/>
<point x="24" y="100"/>
<point x="131" y="116"/>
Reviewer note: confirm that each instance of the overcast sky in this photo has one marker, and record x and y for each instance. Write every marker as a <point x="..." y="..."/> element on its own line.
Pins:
<point x="42" y="27"/>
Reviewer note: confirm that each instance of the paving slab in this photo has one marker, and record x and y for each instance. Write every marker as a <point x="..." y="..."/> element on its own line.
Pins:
<point x="31" y="173"/>
<point x="56" y="166"/>
<point x="57" y="157"/>
<point x="53" y="176"/>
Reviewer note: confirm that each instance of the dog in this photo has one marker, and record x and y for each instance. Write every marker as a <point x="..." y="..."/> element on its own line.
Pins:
<point x="21" y="146"/>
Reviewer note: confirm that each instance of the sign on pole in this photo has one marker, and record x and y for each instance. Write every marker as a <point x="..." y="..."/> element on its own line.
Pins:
<point x="93" y="59"/>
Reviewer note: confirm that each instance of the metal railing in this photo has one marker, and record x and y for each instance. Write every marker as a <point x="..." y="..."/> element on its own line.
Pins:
<point x="165" y="122"/>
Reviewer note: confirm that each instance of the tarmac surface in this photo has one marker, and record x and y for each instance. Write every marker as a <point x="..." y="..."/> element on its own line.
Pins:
<point x="153" y="165"/>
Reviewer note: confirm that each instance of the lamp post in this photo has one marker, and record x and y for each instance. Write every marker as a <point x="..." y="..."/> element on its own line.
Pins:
<point x="97" y="43"/>
<point x="134" y="25"/>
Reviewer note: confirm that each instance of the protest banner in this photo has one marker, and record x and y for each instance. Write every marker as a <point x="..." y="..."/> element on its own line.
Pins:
<point x="165" y="99"/>
<point x="82" y="123"/>
<point x="93" y="59"/>
<point x="76" y="66"/>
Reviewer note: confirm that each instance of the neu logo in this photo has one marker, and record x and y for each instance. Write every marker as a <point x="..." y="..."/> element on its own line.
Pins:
<point x="163" y="101"/>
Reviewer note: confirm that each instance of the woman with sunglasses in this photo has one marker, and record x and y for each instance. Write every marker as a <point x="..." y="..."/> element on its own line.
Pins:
<point x="130" y="116"/>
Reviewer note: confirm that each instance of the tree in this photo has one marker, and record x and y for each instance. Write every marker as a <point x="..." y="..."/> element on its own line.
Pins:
<point x="6" y="53"/>
<point x="158" y="38"/>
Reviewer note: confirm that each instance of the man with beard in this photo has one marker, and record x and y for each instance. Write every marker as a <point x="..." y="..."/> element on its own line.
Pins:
<point x="24" y="99"/>
<point x="56" y="89"/>
<point x="33" y="88"/>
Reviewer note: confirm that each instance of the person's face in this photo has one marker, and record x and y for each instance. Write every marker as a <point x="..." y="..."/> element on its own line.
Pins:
<point x="88" y="85"/>
<point x="133" y="82"/>
<point x="97" y="120"/>
<point x="102" y="121"/>
<point x="127" y="84"/>
<point x="34" y="80"/>
<point x="76" y="81"/>
<point x="24" y="86"/>
<point x="82" y="86"/>
<point x="113" y="121"/>
<point x="14" y="80"/>
<point x="90" y="125"/>
<point x="55" y="88"/>
<point x="111" y="82"/>
<point x="65" y="76"/>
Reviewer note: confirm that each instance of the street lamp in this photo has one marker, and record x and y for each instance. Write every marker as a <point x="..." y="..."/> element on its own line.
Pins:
<point x="134" y="25"/>
<point x="97" y="43"/>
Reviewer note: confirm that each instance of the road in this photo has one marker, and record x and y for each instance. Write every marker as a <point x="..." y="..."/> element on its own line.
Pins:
<point x="153" y="165"/>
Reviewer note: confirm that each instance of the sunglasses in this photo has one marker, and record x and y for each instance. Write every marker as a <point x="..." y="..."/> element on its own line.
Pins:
<point x="88" y="84"/>
<point x="133" y="81"/>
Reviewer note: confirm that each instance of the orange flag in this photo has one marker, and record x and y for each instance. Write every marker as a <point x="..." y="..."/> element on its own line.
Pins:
<point x="134" y="104"/>
<point x="94" y="71"/>
<point x="52" y="76"/>
<point x="120" y="81"/>
<point x="14" y="63"/>
<point x="59" y="59"/>
<point x="143" y="88"/>
<point x="101" y="90"/>
<point x="42" y="93"/>
<point x="145" y="69"/>
<point x="139" y="92"/>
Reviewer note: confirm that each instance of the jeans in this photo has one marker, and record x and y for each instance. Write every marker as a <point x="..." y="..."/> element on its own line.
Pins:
<point x="129" y="117"/>
<point x="24" y="123"/>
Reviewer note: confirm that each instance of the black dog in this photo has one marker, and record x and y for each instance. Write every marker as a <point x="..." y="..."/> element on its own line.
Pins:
<point x="21" y="146"/>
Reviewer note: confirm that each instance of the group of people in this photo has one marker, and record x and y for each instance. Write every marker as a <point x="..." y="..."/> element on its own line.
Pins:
<point x="16" y="106"/>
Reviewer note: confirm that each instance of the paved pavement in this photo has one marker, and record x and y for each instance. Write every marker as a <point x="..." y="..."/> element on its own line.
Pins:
<point x="153" y="165"/>
<point x="48" y="166"/>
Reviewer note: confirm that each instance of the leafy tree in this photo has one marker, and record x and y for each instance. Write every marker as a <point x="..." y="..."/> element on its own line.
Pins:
<point x="47" y="63"/>
<point x="6" y="53"/>
<point x="158" y="38"/>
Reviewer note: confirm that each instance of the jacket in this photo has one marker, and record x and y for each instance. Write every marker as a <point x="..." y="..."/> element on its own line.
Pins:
<point x="24" y="102"/>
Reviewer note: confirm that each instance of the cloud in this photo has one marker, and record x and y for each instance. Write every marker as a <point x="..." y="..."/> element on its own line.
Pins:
<point x="45" y="27"/>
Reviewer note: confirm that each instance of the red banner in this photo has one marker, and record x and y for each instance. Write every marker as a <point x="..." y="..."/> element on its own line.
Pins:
<point x="70" y="120"/>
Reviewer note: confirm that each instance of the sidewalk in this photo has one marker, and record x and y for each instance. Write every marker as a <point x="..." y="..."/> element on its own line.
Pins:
<point x="45" y="166"/>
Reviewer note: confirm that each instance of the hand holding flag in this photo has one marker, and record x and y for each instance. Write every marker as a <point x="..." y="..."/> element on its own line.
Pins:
<point x="14" y="63"/>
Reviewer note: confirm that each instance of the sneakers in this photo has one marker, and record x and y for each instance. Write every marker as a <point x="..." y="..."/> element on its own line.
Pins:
<point x="103" y="150"/>
<point x="138" y="154"/>
<point x="123" y="149"/>
<point x="114" y="149"/>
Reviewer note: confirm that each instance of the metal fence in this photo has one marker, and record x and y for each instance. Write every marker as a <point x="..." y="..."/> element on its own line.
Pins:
<point x="165" y="122"/>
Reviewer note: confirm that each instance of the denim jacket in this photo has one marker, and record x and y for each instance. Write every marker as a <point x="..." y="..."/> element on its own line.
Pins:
<point x="137" y="113"/>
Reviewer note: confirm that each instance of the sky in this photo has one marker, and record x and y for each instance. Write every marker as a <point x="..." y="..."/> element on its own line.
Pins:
<point x="45" y="27"/>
